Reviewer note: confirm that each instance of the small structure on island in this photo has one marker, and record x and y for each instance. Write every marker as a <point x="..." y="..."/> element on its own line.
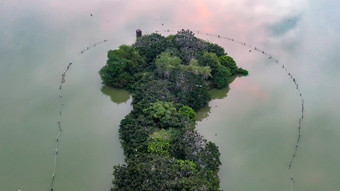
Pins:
<point x="138" y="33"/>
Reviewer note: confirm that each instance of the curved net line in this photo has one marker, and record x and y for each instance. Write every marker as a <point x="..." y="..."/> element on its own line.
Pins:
<point x="251" y="47"/>
<point x="275" y="60"/>
<point x="62" y="81"/>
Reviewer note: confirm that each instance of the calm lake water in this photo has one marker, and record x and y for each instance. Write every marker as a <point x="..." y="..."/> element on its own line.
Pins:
<point x="254" y="122"/>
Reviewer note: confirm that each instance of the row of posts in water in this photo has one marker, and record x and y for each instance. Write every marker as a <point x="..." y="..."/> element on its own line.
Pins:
<point x="92" y="46"/>
<point x="251" y="48"/>
<point x="62" y="81"/>
<point x="207" y="34"/>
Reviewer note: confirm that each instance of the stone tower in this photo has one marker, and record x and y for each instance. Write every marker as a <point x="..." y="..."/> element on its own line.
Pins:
<point x="138" y="33"/>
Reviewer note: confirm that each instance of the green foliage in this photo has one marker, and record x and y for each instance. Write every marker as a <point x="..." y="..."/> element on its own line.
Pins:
<point x="209" y="59"/>
<point x="148" y="90"/>
<point x="166" y="63"/>
<point x="219" y="72"/>
<point x="164" y="113"/>
<point x="190" y="145"/>
<point x="221" y="75"/>
<point x="186" y="145"/>
<point x="161" y="110"/>
<point x="194" y="68"/>
<point x="173" y="51"/>
<point x="210" y="157"/>
<point x="170" y="37"/>
<point x="134" y="62"/>
<point x="188" y="45"/>
<point x="150" y="46"/>
<point x="187" y="112"/>
<point x="159" y="146"/>
<point x="215" y="48"/>
<point x="162" y="134"/>
<point x="149" y="172"/>
<point x="169" y="79"/>
<point x="185" y="162"/>
<point x="190" y="89"/>
<point x="134" y="131"/>
<point x="193" y="62"/>
<point x="120" y="67"/>
<point x="113" y="74"/>
<point x="230" y="63"/>
<point x="242" y="71"/>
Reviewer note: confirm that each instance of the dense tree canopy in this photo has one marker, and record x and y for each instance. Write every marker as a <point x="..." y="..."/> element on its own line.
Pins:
<point x="215" y="48"/>
<point x="221" y="75"/>
<point x="166" y="64"/>
<point x="230" y="63"/>
<point x="121" y="66"/>
<point x="150" y="46"/>
<point x="169" y="78"/>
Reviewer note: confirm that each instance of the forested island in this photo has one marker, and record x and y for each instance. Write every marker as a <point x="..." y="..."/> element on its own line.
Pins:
<point x="169" y="78"/>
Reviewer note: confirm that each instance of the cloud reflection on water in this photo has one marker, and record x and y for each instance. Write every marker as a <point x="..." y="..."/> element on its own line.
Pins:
<point x="37" y="35"/>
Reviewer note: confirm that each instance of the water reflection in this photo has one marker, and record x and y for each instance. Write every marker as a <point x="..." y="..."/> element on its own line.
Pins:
<point x="221" y="93"/>
<point x="256" y="135"/>
<point x="270" y="57"/>
<point x="203" y="113"/>
<point x="117" y="96"/>
<point x="214" y="94"/>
